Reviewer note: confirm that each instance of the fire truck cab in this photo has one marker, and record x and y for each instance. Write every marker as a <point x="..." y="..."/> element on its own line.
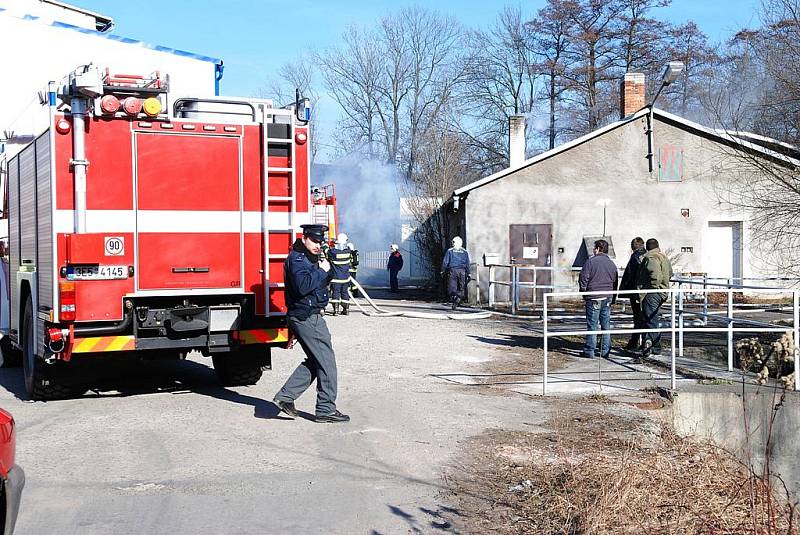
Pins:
<point x="141" y="221"/>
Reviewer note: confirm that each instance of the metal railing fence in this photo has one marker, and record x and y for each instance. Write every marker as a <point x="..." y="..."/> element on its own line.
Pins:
<point x="677" y="328"/>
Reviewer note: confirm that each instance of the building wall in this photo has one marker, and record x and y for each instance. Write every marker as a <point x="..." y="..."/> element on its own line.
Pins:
<point x="38" y="52"/>
<point x="564" y="191"/>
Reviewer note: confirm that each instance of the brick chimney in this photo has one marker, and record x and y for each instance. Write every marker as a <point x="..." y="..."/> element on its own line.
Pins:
<point x="631" y="94"/>
<point x="516" y="140"/>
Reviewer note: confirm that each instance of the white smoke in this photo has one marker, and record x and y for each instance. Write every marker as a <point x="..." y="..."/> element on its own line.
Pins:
<point x="368" y="205"/>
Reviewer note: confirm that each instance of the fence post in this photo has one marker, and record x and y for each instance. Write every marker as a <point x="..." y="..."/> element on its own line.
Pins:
<point x="730" y="328"/>
<point x="796" y="340"/>
<point x="705" y="300"/>
<point x="533" y="300"/>
<point x="544" y="345"/>
<point x="680" y="324"/>
<point x="491" y="287"/>
<point x="514" y="289"/>
<point x="672" y="327"/>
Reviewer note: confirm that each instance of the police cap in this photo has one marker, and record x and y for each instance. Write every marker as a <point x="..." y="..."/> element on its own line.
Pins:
<point x="315" y="232"/>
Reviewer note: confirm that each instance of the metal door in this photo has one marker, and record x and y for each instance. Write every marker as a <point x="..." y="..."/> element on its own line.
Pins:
<point x="532" y="245"/>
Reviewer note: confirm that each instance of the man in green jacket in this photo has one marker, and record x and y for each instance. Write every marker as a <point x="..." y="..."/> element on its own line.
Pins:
<point x="655" y="272"/>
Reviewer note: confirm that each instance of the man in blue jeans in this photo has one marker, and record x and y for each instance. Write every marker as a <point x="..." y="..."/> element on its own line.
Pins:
<point x="599" y="274"/>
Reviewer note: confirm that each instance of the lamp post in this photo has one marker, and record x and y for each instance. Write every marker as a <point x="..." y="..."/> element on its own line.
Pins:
<point x="671" y="73"/>
<point x="604" y="203"/>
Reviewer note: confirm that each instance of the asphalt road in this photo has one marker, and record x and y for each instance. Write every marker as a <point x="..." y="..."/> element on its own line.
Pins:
<point x="163" y="449"/>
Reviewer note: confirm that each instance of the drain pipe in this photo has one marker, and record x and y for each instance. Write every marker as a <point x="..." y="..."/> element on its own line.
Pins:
<point x="79" y="106"/>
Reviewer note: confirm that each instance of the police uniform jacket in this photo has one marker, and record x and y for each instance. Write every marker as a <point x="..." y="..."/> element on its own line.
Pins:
<point x="306" y="282"/>
<point x="340" y="264"/>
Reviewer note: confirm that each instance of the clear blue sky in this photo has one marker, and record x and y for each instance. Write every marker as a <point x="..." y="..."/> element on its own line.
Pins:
<point x="254" y="37"/>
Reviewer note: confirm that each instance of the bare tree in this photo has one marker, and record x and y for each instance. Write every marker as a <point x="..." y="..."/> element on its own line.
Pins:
<point x="761" y="105"/>
<point x="443" y="165"/>
<point x="500" y="81"/>
<point x="550" y="33"/>
<point x="352" y="73"/>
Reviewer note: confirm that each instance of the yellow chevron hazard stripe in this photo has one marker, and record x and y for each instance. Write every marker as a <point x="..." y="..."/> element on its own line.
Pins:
<point x="103" y="343"/>
<point x="264" y="336"/>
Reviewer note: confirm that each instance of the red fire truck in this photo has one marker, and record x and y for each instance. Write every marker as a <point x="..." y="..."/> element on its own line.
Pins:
<point x="141" y="221"/>
<point x="323" y="209"/>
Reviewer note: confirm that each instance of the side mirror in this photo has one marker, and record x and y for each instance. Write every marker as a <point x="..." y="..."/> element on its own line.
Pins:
<point x="302" y="106"/>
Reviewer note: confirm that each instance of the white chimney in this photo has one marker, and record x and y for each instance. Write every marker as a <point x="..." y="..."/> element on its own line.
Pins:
<point x="516" y="140"/>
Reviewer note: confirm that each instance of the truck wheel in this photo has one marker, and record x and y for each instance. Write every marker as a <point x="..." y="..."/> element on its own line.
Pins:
<point x="238" y="367"/>
<point x="10" y="356"/>
<point x="42" y="381"/>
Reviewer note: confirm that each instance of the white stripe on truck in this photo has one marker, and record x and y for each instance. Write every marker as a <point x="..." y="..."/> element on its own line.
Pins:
<point x="179" y="221"/>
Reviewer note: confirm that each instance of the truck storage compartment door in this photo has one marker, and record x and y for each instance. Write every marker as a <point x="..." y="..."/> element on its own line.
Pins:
<point x="188" y="217"/>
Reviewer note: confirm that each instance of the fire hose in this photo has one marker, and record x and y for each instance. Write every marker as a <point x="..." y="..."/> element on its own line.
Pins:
<point x="409" y="314"/>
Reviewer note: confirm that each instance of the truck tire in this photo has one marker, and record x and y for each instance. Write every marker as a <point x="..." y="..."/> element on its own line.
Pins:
<point x="42" y="381"/>
<point x="10" y="356"/>
<point x="238" y="367"/>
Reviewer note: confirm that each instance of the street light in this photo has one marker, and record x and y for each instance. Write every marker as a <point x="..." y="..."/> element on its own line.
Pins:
<point x="671" y="73"/>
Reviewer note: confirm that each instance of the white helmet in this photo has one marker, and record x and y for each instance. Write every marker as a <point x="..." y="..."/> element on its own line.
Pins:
<point x="457" y="243"/>
<point x="341" y="239"/>
<point x="394" y="247"/>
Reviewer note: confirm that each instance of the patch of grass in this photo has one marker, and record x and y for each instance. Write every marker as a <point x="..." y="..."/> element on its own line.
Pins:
<point x="598" y="472"/>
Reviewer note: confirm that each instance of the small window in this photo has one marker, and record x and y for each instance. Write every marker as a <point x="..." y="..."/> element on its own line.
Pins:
<point x="670" y="164"/>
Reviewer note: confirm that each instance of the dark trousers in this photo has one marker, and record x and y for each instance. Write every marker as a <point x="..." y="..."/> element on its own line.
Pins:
<point x="393" y="279"/>
<point x="636" y="310"/>
<point x="457" y="283"/>
<point x="320" y="364"/>
<point x="651" y="314"/>
<point x="339" y="292"/>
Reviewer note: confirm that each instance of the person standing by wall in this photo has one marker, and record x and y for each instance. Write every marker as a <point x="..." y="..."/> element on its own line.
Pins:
<point x="394" y="265"/>
<point x="339" y="256"/>
<point x="599" y="274"/>
<point x="455" y="266"/>
<point x="307" y="277"/>
<point x="629" y="283"/>
<point x="654" y="274"/>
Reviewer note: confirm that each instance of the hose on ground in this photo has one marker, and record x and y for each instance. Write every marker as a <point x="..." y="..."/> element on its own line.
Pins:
<point x="410" y="314"/>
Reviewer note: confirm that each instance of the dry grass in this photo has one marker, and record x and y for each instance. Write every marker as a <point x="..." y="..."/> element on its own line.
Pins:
<point x="598" y="472"/>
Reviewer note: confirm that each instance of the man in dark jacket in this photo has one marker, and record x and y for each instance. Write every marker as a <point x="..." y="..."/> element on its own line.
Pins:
<point x="599" y="274"/>
<point x="654" y="273"/>
<point x="456" y="266"/>
<point x="307" y="276"/>
<point x="629" y="283"/>
<point x="394" y="265"/>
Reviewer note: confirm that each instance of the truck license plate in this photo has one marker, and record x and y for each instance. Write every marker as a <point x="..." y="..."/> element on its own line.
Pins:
<point x="95" y="272"/>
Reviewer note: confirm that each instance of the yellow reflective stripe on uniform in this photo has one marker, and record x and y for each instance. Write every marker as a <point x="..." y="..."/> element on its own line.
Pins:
<point x="341" y="281"/>
<point x="343" y="255"/>
<point x="340" y="263"/>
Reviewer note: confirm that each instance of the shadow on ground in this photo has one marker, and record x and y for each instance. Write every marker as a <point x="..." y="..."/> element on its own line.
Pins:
<point x="143" y="377"/>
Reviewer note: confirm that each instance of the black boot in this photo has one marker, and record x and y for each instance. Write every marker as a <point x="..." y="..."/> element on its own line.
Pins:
<point x="345" y="309"/>
<point x="455" y="302"/>
<point x="335" y="309"/>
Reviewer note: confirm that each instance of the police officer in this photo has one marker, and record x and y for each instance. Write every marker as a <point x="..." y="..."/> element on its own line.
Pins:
<point x="353" y="268"/>
<point x="456" y="266"/>
<point x="339" y="255"/>
<point x="307" y="277"/>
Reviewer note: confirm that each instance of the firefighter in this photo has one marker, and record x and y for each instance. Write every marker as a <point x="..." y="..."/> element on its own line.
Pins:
<point x="339" y="256"/>
<point x="456" y="266"/>
<point x="394" y="265"/>
<point x="307" y="276"/>
<point x="353" y="268"/>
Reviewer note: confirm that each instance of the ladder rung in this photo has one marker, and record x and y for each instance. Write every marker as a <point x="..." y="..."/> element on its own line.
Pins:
<point x="282" y="140"/>
<point x="278" y="198"/>
<point x="277" y="285"/>
<point x="280" y="169"/>
<point x="276" y="256"/>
